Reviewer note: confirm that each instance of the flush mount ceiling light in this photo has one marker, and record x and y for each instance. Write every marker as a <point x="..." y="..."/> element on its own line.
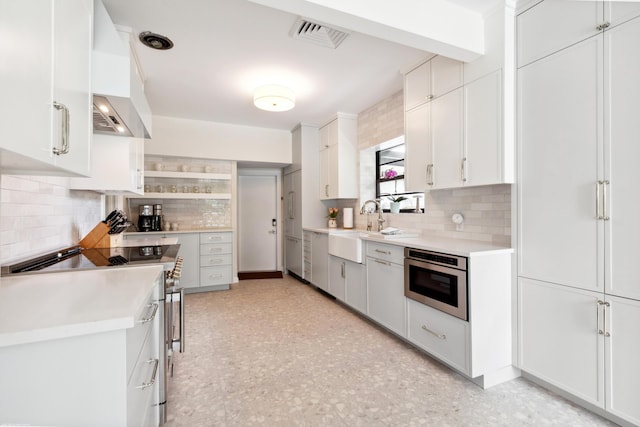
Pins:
<point x="274" y="98"/>
<point x="155" y="41"/>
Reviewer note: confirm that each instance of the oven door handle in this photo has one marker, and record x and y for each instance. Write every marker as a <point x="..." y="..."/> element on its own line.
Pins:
<point x="434" y="333"/>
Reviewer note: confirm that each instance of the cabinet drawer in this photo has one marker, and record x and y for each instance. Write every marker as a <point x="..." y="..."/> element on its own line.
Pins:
<point x="307" y="269"/>
<point x="213" y="260"/>
<point x="137" y="335"/>
<point x="389" y="253"/>
<point x="442" y="335"/>
<point x="216" y="238"/>
<point x="143" y="383"/>
<point x="215" y="249"/>
<point x="215" y="275"/>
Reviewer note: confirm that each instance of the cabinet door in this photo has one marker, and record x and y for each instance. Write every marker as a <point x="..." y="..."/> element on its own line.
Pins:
<point x="446" y="137"/>
<point x="320" y="261"/>
<point x="190" y="252"/>
<point x="356" y="286"/>
<point x="553" y="25"/>
<point x="446" y="75"/>
<point x="72" y="79"/>
<point x="622" y="152"/>
<point x="622" y="349"/>
<point x="293" y="252"/>
<point x="333" y="172"/>
<point x="417" y="86"/>
<point x="418" y="159"/>
<point x="337" y="277"/>
<point x="26" y="83"/>
<point x="560" y="137"/>
<point x="385" y="295"/>
<point x="618" y="12"/>
<point x="323" y="189"/>
<point x="483" y="131"/>
<point x="559" y="340"/>
<point x="289" y="205"/>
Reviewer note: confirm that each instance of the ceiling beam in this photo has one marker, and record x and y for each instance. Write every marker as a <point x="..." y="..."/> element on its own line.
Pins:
<point x="435" y="26"/>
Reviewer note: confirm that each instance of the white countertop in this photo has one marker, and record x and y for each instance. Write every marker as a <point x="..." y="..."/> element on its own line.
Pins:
<point x="40" y="307"/>
<point x="151" y="233"/>
<point x="451" y="246"/>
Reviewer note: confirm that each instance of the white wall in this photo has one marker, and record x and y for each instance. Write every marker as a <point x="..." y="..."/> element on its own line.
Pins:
<point x="199" y="139"/>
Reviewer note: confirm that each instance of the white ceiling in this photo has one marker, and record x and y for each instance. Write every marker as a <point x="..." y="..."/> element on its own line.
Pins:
<point x="225" y="48"/>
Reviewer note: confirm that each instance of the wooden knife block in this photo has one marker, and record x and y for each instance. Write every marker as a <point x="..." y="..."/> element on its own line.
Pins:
<point x="99" y="237"/>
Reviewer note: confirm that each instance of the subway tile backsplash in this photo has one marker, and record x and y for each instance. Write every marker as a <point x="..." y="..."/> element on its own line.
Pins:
<point x="39" y="214"/>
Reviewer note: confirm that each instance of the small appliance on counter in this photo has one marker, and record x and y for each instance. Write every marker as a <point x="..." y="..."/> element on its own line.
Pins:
<point x="156" y="219"/>
<point x="145" y="218"/>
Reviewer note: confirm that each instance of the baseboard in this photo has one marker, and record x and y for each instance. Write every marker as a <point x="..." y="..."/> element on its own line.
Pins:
<point x="252" y="275"/>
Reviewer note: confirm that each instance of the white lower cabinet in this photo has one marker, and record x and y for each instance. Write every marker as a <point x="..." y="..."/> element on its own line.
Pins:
<point x="190" y="252"/>
<point x="386" y="302"/>
<point x="442" y="335"/>
<point x="320" y="260"/>
<point x="582" y="342"/>
<point x="293" y="255"/>
<point x="100" y="379"/>
<point x="347" y="282"/>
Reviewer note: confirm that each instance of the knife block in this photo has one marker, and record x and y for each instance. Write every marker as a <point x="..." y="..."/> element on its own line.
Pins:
<point x="99" y="237"/>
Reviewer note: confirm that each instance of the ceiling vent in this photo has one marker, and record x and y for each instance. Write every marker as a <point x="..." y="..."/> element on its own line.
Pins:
<point x="317" y="33"/>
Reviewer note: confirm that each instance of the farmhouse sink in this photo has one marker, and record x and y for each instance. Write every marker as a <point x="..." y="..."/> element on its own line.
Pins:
<point x="347" y="245"/>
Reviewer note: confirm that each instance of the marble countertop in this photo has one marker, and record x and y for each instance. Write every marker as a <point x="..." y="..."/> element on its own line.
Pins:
<point x="451" y="246"/>
<point x="48" y="306"/>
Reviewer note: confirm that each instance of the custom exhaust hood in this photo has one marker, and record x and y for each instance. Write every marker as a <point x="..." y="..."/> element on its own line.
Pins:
<point x="120" y="107"/>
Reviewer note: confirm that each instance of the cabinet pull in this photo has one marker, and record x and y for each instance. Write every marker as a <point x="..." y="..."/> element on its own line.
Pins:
<point x="604" y="305"/>
<point x="383" y="252"/>
<point x="140" y="179"/>
<point x="430" y="174"/>
<point x="65" y="129"/>
<point x="434" y="333"/>
<point x="428" y="97"/>
<point x="598" y="213"/>
<point x="603" y="26"/>
<point x="215" y="249"/>
<point x="215" y="276"/>
<point x="605" y="185"/>
<point x="342" y="270"/>
<point x="463" y="170"/>
<point x="152" y="381"/>
<point x="326" y="190"/>
<point x="153" y="314"/>
<point x="382" y="262"/>
<point x="215" y="238"/>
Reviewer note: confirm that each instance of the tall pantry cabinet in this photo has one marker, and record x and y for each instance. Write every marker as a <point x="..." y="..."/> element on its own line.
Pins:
<point x="579" y="295"/>
<point x="302" y="206"/>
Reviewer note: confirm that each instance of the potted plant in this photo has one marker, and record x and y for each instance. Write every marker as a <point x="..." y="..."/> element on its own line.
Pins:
<point x="333" y="217"/>
<point x="395" y="203"/>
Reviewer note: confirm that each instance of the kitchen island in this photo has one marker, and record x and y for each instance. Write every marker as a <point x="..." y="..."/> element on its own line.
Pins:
<point x="80" y="348"/>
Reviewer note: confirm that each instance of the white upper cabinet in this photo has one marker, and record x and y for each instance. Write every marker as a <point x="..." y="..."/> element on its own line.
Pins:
<point x="446" y="139"/>
<point x="117" y="166"/>
<point x="418" y="159"/>
<point x="48" y="83"/>
<point x="446" y="75"/>
<point x="552" y="25"/>
<point x="485" y="159"/>
<point x="417" y="86"/>
<point x="339" y="158"/>
<point x="430" y="80"/>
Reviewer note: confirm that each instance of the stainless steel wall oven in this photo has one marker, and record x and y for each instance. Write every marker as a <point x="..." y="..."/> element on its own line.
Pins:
<point x="437" y="280"/>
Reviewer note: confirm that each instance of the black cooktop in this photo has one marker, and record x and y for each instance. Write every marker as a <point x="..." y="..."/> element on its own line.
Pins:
<point x="77" y="258"/>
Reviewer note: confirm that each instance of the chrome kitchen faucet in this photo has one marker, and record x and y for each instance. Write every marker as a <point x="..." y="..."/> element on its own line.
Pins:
<point x="380" y="219"/>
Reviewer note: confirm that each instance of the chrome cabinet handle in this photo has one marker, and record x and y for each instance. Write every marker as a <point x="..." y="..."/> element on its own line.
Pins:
<point x="140" y="179"/>
<point x="326" y="190"/>
<point x="153" y="314"/>
<point x="428" y="97"/>
<point x="430" y="174"/>
<point x="65" y="129"/>
<point x="152" y="381"/>
<point x="215" y="276"/>
<point x="603" y="26"/>
<point x="605" y="185"/>
<point x="383" y="252"/>
<point x="463" y="170"/>
<point x="602" y="331"/>
<point x="598" y="304"/>
<point x="342" y="270"/>
<point x="598" y="213"/>
<point x="434" y="333"/>
<point x="215" y="238"/>
<point x="382" y="262"/>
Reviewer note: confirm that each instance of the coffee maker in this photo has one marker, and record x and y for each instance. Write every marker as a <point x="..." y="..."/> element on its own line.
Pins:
<point x="145" y="219"/>
<point x="156" y="219"/>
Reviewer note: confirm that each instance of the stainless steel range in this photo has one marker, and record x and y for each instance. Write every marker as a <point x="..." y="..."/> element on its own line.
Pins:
<point x="171" y="298"/>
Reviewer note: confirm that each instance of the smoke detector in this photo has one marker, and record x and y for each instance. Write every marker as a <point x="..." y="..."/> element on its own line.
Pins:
<point x="319" y="34"/>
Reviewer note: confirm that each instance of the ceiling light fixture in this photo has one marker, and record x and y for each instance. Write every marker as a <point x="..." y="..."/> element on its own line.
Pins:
<point x="274" y="98"/>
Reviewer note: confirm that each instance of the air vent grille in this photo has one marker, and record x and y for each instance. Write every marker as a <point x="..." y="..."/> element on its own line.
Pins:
<point x="319" y="34"/>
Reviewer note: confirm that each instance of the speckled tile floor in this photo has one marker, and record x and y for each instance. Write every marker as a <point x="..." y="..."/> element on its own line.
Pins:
<point x="276" y="352"/>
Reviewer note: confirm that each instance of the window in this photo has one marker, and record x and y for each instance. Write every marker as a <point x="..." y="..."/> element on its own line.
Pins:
<point x="390" y="180"/>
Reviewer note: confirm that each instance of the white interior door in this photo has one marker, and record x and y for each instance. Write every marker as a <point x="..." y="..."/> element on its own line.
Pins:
<point x="257" y="228"/>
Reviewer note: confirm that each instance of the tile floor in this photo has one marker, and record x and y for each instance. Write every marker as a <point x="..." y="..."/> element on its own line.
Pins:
<point x="276" y="352"/>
